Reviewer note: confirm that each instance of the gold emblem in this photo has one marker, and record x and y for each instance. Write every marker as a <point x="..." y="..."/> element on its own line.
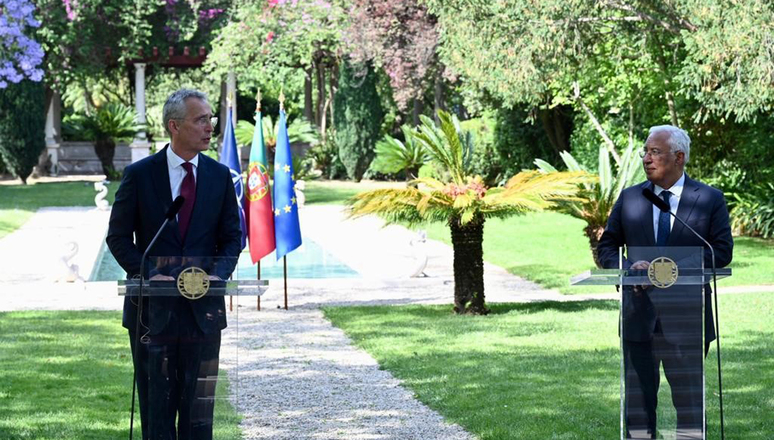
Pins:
<point x="193" y="283"/>
<point x="662" y="272"/>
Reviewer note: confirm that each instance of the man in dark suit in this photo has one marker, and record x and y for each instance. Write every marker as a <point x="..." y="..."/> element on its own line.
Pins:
<point x="660" y="328"/>
<point x="176" y="361"/>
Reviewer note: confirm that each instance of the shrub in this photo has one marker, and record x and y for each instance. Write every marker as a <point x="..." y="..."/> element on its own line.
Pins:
<point x="358" y="117"/>
<point x="22" y="127"/>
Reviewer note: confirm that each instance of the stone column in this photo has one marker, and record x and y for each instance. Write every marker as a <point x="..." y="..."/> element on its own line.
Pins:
<point x="53" y="134"/>
<point x="140" y="145"/>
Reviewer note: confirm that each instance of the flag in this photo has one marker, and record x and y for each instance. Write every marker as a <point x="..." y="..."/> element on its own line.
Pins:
<point x="260" y="214"/>
<point x="230" y="159"/>
<point x="287" y="231"/>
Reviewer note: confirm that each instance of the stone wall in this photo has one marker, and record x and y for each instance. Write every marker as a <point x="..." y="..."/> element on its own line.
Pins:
<point x="80" y="158"/>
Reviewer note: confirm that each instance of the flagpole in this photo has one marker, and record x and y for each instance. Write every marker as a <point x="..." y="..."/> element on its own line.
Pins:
<point x="258" y="298"/>
<point x="230" y="298"/>
<point x="285" y="276"/>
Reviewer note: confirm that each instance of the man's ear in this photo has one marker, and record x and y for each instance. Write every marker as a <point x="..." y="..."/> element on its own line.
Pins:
<point x="680" y="157"/>
<point x="172" y="126"/>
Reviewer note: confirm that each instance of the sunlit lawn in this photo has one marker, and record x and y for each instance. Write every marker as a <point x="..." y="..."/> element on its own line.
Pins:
<point x="68" y="375"/>
<point x="551" y="370"/>
<point x="19" y="202"/>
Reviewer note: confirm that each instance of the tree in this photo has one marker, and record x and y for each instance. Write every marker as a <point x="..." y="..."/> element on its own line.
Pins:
<point x="284" y="44"/>
<point x="22" y="126"/>
<point x="401" y="37"/>
<point x="20" y="55"/>
<point x="464" y="202"/>
<point x="358" y="117"/>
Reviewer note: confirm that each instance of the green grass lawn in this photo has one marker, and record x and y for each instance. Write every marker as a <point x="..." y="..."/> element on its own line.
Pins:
<point x="68" y="375"/>
<point x="528" y="246"/>
<point x="551" y="370"/>
<point x="19" y="202"/>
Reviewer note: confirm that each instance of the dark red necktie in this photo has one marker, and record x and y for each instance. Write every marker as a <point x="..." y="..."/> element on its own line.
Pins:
<point x="187" y="190"/>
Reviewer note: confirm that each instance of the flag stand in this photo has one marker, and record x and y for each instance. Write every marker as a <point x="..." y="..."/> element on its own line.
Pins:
<point x="258" y="298"/>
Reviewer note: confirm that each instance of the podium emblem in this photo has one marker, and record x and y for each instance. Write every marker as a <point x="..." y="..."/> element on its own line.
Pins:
<point x="662" y="272"/>
<point x="193" y="283"/>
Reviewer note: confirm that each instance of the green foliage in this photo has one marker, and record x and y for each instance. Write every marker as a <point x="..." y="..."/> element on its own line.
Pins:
<point x="299" y="131"/>
<point x="394" y="156"/>
<point x="753" y="213"/>
<point x="357" y="117"/>
<point x="22" y="126"/>
<point x="110" y="123"/>
<point x="517" y="141"/>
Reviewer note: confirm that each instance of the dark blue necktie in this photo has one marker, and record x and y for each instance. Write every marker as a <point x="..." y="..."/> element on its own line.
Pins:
<point x="663" y="222"/>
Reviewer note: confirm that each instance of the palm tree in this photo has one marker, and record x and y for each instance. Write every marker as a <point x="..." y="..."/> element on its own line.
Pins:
<point x="108" y="124"/>
<point x="464" y="202"/>
<point x="393" y="156"/>
<point x="599" y="195"/>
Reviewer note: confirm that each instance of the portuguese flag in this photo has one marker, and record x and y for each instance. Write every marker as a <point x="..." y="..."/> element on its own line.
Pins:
<point x="260" y="210"/>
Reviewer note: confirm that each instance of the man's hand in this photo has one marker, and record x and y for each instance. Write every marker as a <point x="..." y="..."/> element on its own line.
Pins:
<point x="214" y="278"/>
<point x="640" y="265"/>
<point x="160" y="277"/>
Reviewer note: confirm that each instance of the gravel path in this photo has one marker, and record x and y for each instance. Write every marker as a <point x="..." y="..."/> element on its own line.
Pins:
<point x="301" y="378"/>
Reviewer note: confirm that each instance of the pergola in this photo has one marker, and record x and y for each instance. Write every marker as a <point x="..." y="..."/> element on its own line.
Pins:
<point x="140" y="146"/>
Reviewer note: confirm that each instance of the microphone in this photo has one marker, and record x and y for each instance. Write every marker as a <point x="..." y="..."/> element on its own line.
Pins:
<point x="175" y="208"/>
<point x="169" y="216"/>
<point x="664" y="207"/>
<point x="659" y="202"/>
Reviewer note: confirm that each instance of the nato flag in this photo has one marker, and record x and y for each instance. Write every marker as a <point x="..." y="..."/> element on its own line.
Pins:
<point x="230" y="159"/>
<point x="287" y="231"/>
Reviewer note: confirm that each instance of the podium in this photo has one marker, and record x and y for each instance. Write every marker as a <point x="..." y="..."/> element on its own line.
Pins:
<point x="665" y="326"/>
<point x="181" y="367"/>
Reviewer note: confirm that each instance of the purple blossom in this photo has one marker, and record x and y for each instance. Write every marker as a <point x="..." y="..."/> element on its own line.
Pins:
<point x="22" y="55"/>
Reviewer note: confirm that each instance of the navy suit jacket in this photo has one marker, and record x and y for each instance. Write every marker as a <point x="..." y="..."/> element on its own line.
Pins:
<point x="631" y="224"/>
<point x="142" y="201"/>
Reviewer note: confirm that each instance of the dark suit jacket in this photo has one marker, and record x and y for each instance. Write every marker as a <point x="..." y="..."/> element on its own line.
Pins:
<point x="631" y="224"/>
<point x="141" y="203"/>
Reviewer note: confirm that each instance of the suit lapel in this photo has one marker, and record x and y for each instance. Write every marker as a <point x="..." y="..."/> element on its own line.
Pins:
<point x="203" y="182"/>
<point x="685" y="208"/>
<point x="160" y="176"/>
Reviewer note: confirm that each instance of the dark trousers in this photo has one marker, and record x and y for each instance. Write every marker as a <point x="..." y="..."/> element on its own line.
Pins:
<point x="176" y="376"/>
<point x="683" y="370"/>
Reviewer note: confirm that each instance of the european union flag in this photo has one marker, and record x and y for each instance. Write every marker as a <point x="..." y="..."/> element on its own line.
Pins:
<point x="287" y="230"/>
<point x="229" y="158"/>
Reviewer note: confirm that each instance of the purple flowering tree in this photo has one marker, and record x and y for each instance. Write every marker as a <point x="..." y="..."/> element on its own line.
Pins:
<point x="20" y="55"/>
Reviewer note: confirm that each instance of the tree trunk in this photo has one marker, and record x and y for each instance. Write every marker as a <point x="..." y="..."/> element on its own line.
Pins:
<point x="594" y="234"/>
<point x="467" y="242"/>
<point x="106" y="149"/>
<point x="439" y="95"/>
<point x="417" y="111"/>
<point x="320" y="96"/>
<point x="308" y="110"/>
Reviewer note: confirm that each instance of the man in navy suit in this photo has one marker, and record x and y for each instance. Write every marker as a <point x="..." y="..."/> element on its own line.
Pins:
<point x="177" y="360"/>
<point x="654" y="329"/>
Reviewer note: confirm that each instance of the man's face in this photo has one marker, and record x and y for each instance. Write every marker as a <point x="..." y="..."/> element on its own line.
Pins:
<point x="662" y="166"/>
<point x="193" y="133"/>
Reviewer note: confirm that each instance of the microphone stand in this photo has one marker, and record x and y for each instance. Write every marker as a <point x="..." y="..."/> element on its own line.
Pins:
<point x="662" y="205"/>
<point x="717" y="319"/>
<point x="176" y="205"/>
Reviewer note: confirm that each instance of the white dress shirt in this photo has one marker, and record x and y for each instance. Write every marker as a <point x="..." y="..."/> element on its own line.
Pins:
<point x="674" y="201"/>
